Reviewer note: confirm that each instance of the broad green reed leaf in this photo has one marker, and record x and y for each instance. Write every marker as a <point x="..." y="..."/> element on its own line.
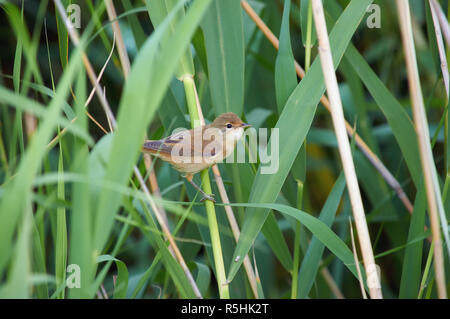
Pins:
<point x="293" y="126"/>
<point x="143" y="92"/>
<point x="158" y="10"/>
<point x="285" y="76"/>
<point x="311" y="261"/>
<point x="224" y="42"/>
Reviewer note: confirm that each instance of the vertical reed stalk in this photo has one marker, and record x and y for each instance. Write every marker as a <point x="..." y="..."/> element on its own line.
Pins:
<point x="426" y="156"/>
<point x="235" y="229"/>
<point x="308" y="38"/>
<point x="228" y="210"/>
<point x="192" y="102"/>
<point x="344" y="147"/>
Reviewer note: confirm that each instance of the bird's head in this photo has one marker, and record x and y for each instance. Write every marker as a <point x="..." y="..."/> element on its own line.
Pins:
<point x="230" y="124"/>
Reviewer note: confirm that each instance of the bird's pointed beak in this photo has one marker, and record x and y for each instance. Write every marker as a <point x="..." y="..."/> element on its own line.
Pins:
<point x="245" y="125"/>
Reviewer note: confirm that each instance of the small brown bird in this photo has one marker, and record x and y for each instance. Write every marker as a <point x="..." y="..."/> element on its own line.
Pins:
<point x="191" y="151"/>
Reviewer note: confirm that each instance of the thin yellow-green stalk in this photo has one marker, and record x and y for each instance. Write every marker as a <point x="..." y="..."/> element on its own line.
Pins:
<point x="191" y="97"/>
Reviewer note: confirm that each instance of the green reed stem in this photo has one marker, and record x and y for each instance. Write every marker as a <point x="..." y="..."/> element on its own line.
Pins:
<point x="189" y="88"/>
<point x="308" y="38"/>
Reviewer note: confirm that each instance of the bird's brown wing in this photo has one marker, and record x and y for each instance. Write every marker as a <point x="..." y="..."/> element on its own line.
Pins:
<point x="183" y="141"/>
<point x="163" y="148"/>
<point x="155" y="147"/>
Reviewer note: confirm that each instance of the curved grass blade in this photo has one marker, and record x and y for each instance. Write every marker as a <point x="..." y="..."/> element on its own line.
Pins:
<point x="121" y="283"/>
<point x="319" y="229"/>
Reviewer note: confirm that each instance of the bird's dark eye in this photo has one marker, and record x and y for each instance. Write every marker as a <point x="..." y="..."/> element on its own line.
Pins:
<point x="229" y="125"/>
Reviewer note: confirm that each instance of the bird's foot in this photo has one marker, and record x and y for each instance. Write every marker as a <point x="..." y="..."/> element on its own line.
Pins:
<point x="208" y="197"/>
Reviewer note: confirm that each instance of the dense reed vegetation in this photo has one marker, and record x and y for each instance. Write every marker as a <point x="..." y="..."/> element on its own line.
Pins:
<point x="356" y="207"/>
